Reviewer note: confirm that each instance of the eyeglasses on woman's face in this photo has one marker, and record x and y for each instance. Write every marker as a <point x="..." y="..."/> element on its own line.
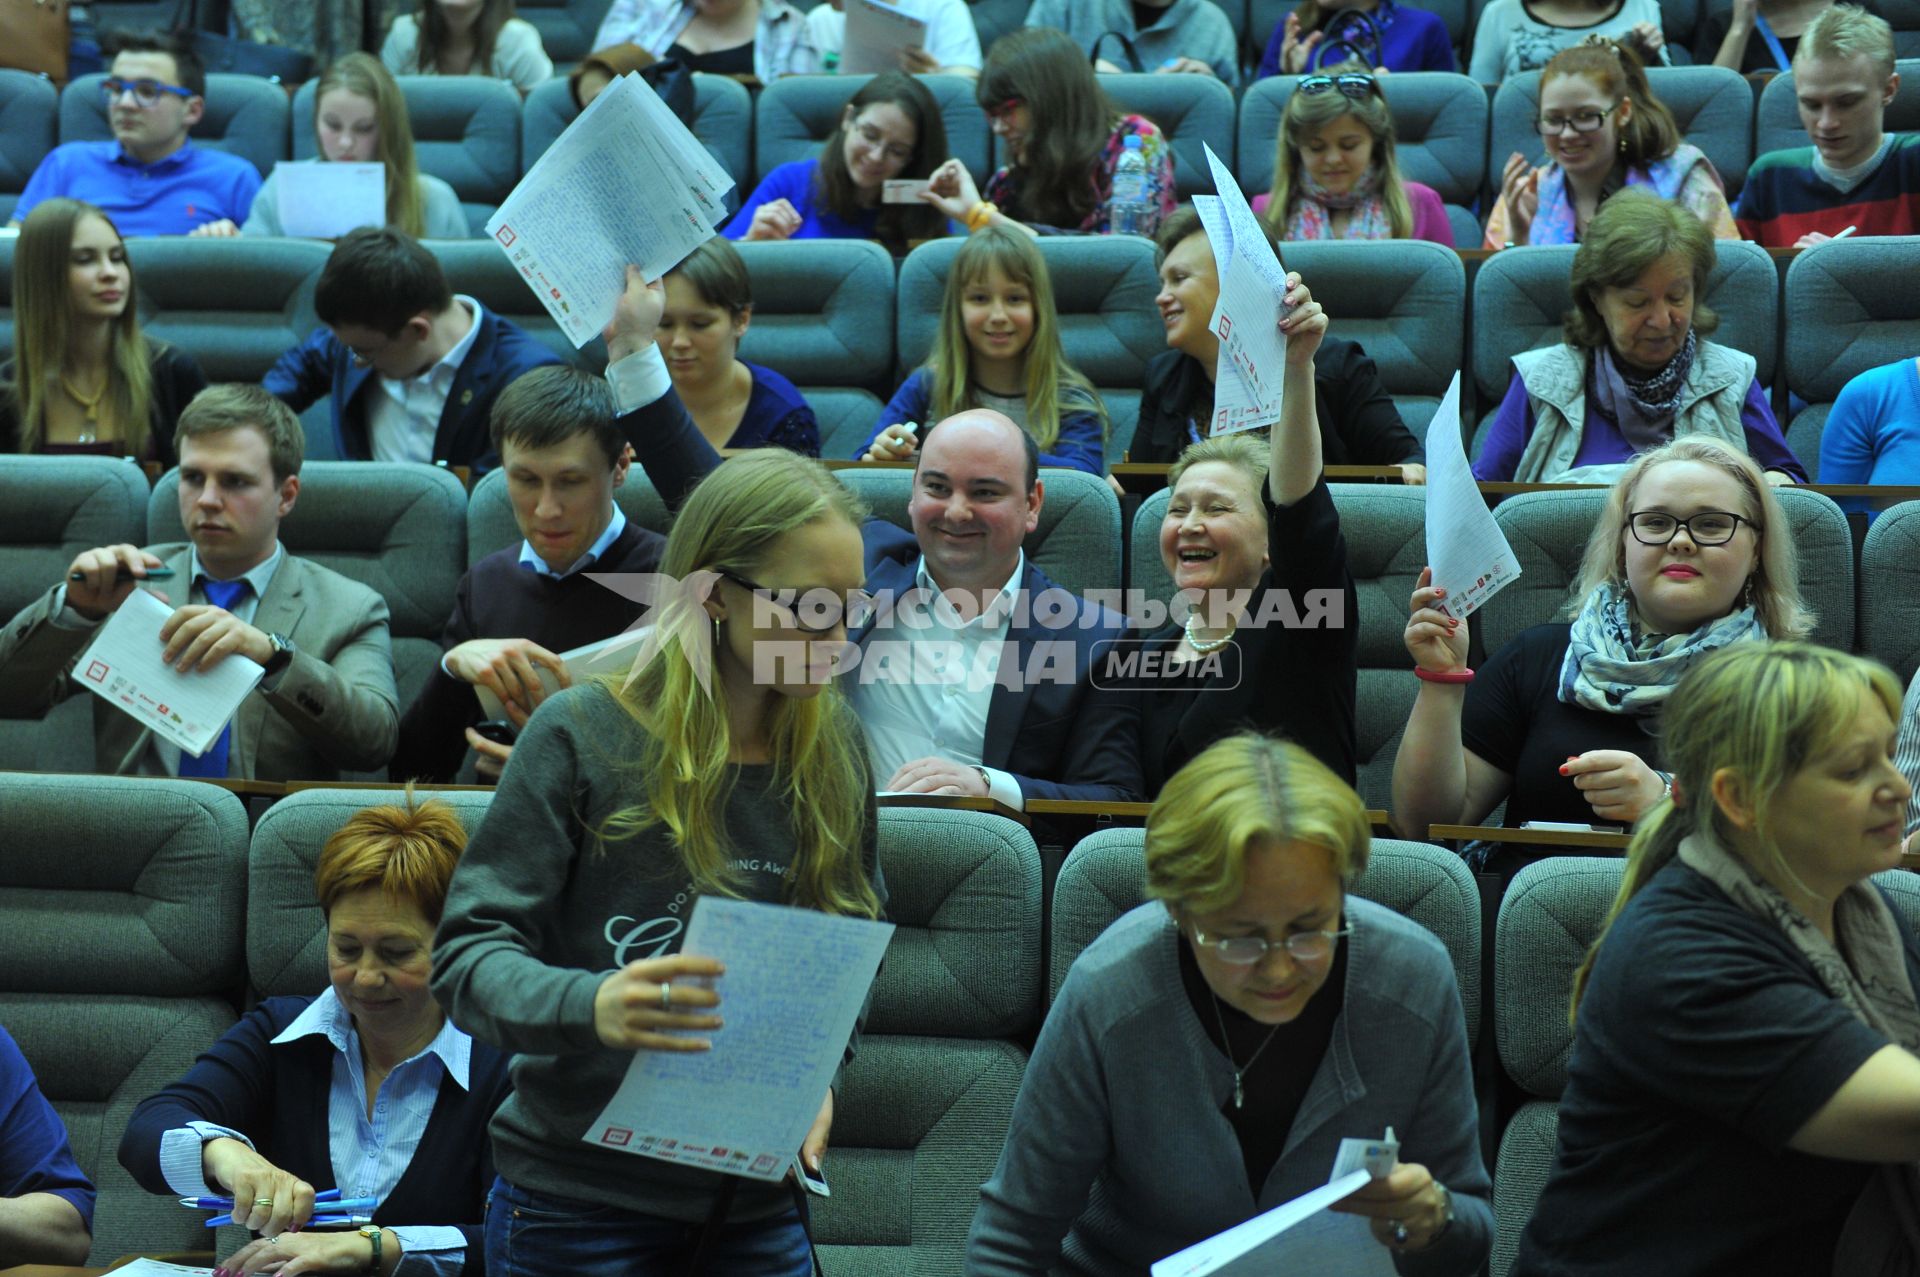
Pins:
<point x="1245" y="951"/>
<point x="812" y="611"/>
<point x="1350" y="84"/>
<point x="1589" y="120"/>
<point x="1709" y="527"/>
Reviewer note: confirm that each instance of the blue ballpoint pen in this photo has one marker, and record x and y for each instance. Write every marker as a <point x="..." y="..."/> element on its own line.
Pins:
<point x="226" y="1203"/>
<point x="317" y="1221"/>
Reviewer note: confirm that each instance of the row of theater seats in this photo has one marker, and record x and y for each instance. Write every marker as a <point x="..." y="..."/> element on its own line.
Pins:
<point x="135" y="914"/>
<point x="479" y="136"/>
<point x="847" y="324"/>
<point x="409" y="532"/>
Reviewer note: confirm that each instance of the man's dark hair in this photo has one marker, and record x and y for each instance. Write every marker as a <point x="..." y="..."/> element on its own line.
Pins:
<point x="1026" y="438"/>
<point x="551" y="405"/>
<point x="193" y="75"/>
<point x="379" y="278"/>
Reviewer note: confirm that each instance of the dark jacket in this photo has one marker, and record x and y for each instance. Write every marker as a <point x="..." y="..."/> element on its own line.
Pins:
<point x="176" y="380"/>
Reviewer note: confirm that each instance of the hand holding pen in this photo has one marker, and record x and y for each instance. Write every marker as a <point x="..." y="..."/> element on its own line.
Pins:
<point x="337" y="1211"/>
<point x="265" y="1199"/>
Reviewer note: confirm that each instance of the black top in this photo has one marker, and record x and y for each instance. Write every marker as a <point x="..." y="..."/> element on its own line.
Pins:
<point x="1359" y="426"/>
<point x="1713" y="29"/>
<point x="1283" y="1058"/>
<point x="1144" y="16"/>
<point x="1299" y="681"/>
<point x="1515" y="720"/>
<point x="1704" y="1042"/>
<point x="176" y="380"/>
<point x="735" y="61"/>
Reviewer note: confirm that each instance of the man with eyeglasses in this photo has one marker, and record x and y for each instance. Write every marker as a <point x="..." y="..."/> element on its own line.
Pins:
<point x="150" y="179"/>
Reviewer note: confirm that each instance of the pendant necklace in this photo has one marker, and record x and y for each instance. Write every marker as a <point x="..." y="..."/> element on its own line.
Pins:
<point x="92" y="406"/>
<point x="1226" y="1044"/>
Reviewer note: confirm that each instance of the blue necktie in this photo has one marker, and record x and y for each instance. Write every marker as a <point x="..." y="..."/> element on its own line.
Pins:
<point x="213" y="763"/>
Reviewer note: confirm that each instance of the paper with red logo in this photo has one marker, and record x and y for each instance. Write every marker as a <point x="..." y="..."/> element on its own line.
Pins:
<point x="124" y="666"/>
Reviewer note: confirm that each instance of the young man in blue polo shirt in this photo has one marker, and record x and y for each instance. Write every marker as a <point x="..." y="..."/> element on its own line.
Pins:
<point x="149" y="180"/>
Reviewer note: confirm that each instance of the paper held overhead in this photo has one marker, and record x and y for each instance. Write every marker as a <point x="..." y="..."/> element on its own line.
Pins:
<point x="1470" y="556"/>
<point x="1253" y="285"/>
<point x="626" y="183"/>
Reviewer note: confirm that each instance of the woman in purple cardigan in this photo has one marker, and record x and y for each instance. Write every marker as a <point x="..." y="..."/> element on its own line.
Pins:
<point x="1334" y="172"/>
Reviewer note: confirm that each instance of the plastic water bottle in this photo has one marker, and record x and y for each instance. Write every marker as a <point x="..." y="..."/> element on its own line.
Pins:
<point x="1129" y="213"/>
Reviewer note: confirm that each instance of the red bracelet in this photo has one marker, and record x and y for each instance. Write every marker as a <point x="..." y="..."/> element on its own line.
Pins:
<point x="1450" y="676"/>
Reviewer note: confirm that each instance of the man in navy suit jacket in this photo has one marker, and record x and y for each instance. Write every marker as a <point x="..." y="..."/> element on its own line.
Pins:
<point x="412" y="368"/>
<point x="974" y="676"/>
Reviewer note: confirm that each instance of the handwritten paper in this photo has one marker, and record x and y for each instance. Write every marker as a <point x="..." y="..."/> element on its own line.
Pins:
<point x="877" y="34"/>
<point x="625" y="183"/>
<point x="1234" y="405"/>
<point x="1471" y="559"/>
<point x="317" y="200"/>
<point x="123" y="664"/>
<point x="1243" y="1250"/>
<point x="608" y="656"/>
<point x="794" y="986"/>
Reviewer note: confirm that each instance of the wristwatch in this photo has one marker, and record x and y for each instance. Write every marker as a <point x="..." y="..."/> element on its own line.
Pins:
<point x="986" y="779"/>
<point x="283" y="650"/>
<point x="372" y="1233"/>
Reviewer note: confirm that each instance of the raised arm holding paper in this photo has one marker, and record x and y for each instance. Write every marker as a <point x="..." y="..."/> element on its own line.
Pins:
<point x="325" y="702"/>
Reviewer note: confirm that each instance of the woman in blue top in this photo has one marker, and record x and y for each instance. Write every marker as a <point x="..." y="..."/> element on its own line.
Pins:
<point x="368" y="1088"/>
<point x="736" y="404"/>
<point x="890" y="129"/>
<point x="999" y="348"/>
<point x="1391" y="36"/>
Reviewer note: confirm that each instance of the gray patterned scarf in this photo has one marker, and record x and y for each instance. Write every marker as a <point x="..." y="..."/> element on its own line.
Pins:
<point x="1612" y="668"/>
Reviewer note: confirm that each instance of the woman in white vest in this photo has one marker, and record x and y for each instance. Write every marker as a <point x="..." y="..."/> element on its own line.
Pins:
<point x="1636" y="369"/>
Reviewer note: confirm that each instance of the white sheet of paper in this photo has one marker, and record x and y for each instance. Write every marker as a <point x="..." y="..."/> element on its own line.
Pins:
<point x="1234" y="405"/>
<point x="876" y="33"/>
<point x="794" y="986"/>
<point x="324" y="201"/>
<point x="155" y="1268"/>
<point x="625" y="183"/>
<point x="124" y="665"/>
<point x="1376" y="1157"/>
<point x="1252" y="284"/>
<point x="1471" y="559"/>
<point x="1243" y="1249"/>
<point x="608" y="656"/>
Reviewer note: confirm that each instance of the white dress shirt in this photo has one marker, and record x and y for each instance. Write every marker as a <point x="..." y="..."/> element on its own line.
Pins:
<point x="404" y="416"/>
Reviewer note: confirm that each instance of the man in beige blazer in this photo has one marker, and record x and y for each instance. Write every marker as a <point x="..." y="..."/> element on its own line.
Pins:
<point x="327" y="702"/>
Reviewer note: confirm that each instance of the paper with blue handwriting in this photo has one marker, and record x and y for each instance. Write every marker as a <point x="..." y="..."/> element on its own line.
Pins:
<point x="316" y="200"/>
<point x="795" y="982"/>
<point x="1471" y="558"/>
<point x="1234" y="407"/>
<point x="1253" y="285"/>
<point x="625" y="183"/>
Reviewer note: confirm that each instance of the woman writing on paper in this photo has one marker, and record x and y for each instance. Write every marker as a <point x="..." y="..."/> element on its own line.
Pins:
<point x="368" y="1088"/>
<point x="705" y="771"/>
<point x="1208" y="1053"/>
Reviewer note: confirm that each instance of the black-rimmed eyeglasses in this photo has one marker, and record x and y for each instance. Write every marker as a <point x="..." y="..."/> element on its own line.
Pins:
<point x="1350" y="83"/>
<point x="1709" y="527"/>
<point x="813" y="611"/>
<point x="1584" y="121"/>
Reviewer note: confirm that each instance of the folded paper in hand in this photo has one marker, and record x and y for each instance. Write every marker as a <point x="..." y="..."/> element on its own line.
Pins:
<point x="609" y="656"/>
<point x="124" y="665"/>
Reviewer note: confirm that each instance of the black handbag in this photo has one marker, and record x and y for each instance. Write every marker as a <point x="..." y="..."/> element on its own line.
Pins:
<point x="1355" y="33"/>
<point x="231" y="54"/>
<point x="674" y="83"/>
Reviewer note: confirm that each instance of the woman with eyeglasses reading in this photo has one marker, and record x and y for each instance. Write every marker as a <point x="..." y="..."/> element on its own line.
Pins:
<point x="1209" y="1051"/>
<point x="891" y="129"/>
<point x="1691" y="554"/>
<point x="726" y="763"/>
<point x="1062" y="139"/>
<point x="1636" y="368"/>
<point x="1604" y="131"/>
<point x="1334" y="172"/>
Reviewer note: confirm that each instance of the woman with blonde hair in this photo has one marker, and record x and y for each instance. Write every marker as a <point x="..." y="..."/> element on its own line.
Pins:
<point x="83" y="377"/>
<point x="1603" y="131"/>
<point x="1209" y="1051"/>
<point x="368" y="1088"/>
<point x="1691" y="554"/>
<point x="1744" y="1089"/>
<point x="1334" y="172"/>
<point x="360" y="117"/>
<point x="998" y="347"/>
<point x="726" y="764"/>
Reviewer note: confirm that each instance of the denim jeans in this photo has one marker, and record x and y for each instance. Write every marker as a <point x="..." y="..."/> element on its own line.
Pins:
<point x="534" y="1235"/>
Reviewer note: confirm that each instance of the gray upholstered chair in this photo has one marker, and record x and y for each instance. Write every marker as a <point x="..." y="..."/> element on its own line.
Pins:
<point x="1105" y="875"/>
<point x="1402" y="301"/>
<point x="796" y="112"/>
<point x="846" y="417"/>
<point x="1776" y="121"/>
<point x="1439" y="127"/>
<point x="1192" y="112"/>
<point x="52" y="508"/>
<point x="120" y="916"/>
<point x="924" y="1107"/>
<point x="722" y="120"/>
<point x="1848" y="308"/>
<point x="822" y="309"/>
<point x="286" y="934"/>
<point x="489" y="513"/>
<point x="28" y="107"/>
<point x="1548" y="532"/>
<point x="1078" y="540"/>
<point x="1890" y="589"/>
<point x="1103" y="290"/>
<point x="479" y="269"/>
<point x="246" y="116"/>
<point x="398" y="528"/>
<point x="233" y="304"/>
<point x="566" y="27"/>
<point x="1521" y="295"/>
<point x="1713" y="106"/>
<point x="466" y="132"/>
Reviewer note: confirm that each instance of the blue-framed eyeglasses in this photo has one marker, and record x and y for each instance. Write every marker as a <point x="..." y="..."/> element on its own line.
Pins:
<point x="145" y="92"/>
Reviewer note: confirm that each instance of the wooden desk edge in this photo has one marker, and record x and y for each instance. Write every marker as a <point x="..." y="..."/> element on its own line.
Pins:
<point x="1528" y="837"/>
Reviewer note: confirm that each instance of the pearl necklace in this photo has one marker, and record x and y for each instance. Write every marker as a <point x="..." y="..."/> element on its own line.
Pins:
<point x="1203" y="646"/>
